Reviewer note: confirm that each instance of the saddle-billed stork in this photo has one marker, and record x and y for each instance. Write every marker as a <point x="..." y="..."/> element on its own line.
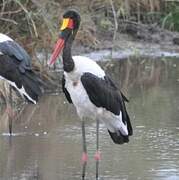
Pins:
<point x="16" y="69"/>
<point x="91" y="91"/>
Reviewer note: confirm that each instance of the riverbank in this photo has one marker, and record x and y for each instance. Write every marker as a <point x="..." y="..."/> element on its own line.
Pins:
<point x="106" y="33"/>
<point x="134" y="39"/>
<point x="154" y="44"/>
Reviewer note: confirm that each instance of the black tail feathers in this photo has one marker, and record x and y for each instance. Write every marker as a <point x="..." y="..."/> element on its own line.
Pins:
<point x="31" y="84"/>
<point x="118" y="138"/>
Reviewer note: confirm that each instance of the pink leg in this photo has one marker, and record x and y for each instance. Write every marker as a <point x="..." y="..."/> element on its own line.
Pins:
<point x="11" y="116"/>
<point x="97" y="156"/>
<point x="10" y="111"/>
<point x="84" y="158"/>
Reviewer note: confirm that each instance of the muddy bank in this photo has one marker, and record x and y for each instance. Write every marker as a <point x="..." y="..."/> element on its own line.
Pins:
<point x="130" y="40"/>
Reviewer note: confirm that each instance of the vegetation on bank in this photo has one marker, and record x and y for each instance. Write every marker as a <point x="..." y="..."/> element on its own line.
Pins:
<point x="35" y="23"/>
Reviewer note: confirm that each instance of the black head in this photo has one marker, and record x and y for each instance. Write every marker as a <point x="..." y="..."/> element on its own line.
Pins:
<point x="74" y="15"/>
<point x="68" y="30"/>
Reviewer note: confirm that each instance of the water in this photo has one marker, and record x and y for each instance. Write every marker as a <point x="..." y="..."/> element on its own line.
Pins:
<point x="46" y="143"/>
<point x="154" y="52"/>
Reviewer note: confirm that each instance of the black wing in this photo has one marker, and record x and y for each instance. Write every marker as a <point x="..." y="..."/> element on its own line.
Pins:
<point x="13" y="49"/>
<point x="9" y="70"/>
<point x="65" y="90"/>
<point x="104" y="93"/>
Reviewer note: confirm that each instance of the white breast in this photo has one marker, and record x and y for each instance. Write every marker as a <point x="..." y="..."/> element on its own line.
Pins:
<point x="81" y="100"/>
<point x="74" y="86"/>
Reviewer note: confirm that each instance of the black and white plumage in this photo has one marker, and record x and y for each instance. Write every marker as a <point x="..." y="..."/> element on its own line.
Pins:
<point x="91" y="91"/>
<point x="15" y="68"/>
<point x="94" y="95"/>
<point x="87" y="86"/>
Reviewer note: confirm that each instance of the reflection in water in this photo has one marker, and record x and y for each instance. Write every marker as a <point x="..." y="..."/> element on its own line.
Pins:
<point x="47" y="140"/>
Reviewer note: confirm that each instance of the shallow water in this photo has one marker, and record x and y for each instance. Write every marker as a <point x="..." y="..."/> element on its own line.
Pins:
<point x="46" y="143"/>
<point x="125" y="53"/>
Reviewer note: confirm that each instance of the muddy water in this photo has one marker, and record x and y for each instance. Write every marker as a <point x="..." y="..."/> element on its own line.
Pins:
<point x="46" y="144"/>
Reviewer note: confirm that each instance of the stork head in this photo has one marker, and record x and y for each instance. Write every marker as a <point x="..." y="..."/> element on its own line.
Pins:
<point x="68" y="29"/>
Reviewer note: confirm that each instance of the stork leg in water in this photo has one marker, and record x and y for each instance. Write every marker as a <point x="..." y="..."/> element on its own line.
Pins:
<point x="97" y="155"/>
<point x="84" y="155"/>
<point x="7" y="91"/>
<point x="11" y="113"/>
